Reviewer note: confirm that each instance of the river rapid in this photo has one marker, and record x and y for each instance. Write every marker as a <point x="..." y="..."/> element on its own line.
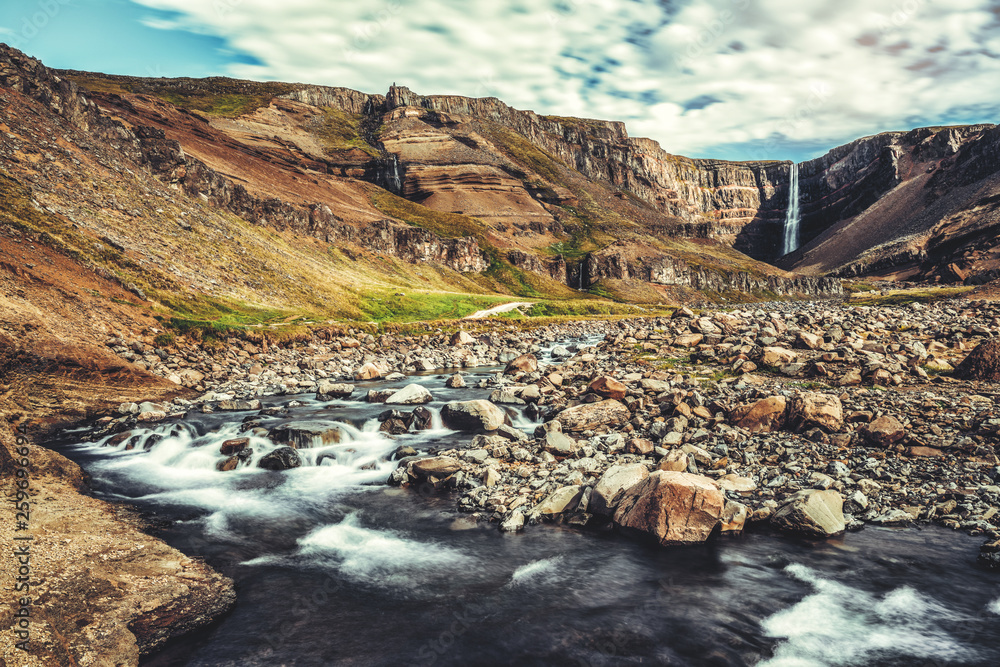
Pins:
<point x="334" y="567"/>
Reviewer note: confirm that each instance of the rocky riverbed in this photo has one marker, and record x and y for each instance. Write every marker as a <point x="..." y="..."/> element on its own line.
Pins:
<point x="811" y="417"/>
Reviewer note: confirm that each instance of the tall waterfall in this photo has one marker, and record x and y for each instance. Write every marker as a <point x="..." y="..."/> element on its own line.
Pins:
<point x="792" y="217"/>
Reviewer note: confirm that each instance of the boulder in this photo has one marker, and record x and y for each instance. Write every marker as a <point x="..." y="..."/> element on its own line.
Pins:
<point x="283" y="458"/>
<point x="884" y="431"/>
<point x="777" y="356"/>
<point x="328" y="391"/>
<point x="983" y="363"/>
<point x="673" y="507"/>
<point x="233" y="446"/>
<point x="438" y="467"/>
<point x="513" y="522"/>
<point x="608" y="387"/>
<point x="411" y="394"/>
<point x="237" y="406"/>
<point x="815" y="410"/>
<point x="688" y="340"/>
<point x="473" y="416"/>
<point x="456" y="381"/>
<point x="812" y="512"/>
<point x="526" y="363"/>
<point x="764" y="416"/>
<point x="462" y="338"/>
<point x="734" y="517"/>
<point x="368" y="371"/>
<point x="590" y="416"/>
<point x="613" y="485"/>
<point x="559" y="444"/>
<point x="302" y="435"/>
<point x="676" y="460"/>
<point x="379" y="395"/>
<point x="563" y="499"/>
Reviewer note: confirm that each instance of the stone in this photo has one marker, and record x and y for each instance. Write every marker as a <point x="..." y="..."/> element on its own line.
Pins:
<point x="233" y="446"/>
<point x="884" y="431"/>
<point x="673" y="507"/>
<point x="526" y="363"/>
<point x="734" y="482"/>
<point x="734" y="517"/>
<point x="815" y="410"/>
<point x="688" y="340"/>
<point x="283" y="458"/>
<point x="676" y="460"/>
<point x="559" y="444"/>
<point x="983" y="363"/>
<point x="777" y="356"/>
<point x="764" y="416"/>
<point x="473" y="415"/>
<point x="513" y="522"/>
<point x="608" y="387"/>
<point x="379" y="395"/>
<point x="438" y="467"/>
<point x="639" y="446"/>
<point x="306" y="434"/>
<point x="810" y="341"/>
<point x="237" y="406"/>
<point x="456" y="381"/>
<point x="563" y="499"/>
<point x="328" y="391"/>
<point x="368" y="371"/>
<point x="411" y="394"/>
<point x="613" y="485"/>
<point x="462" y="338"/>
<point x="654" y="386"/>
<point x="607" y="413"/>
<point x="812" y="512"/>
<point x="560" y="352"/>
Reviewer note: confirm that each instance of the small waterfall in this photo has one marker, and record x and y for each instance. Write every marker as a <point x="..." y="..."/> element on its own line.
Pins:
<point x="792" y="216"/>
<point x="397" y="185"/>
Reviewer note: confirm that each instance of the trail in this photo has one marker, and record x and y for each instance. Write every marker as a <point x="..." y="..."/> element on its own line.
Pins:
<point x="504" y="308"/>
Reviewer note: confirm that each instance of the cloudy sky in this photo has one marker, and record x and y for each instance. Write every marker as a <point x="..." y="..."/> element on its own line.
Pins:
<point x="735" y="79"/>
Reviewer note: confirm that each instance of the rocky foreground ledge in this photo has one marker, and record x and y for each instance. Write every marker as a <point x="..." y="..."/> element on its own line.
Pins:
<point x="810" y="417"/>
<point x="100" y="591"/>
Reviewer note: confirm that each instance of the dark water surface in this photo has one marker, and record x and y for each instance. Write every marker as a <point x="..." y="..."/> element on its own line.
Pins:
<point x="333" y="567"/>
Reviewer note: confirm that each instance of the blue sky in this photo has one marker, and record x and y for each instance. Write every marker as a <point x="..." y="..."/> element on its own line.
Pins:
<point x="734" y="79"/>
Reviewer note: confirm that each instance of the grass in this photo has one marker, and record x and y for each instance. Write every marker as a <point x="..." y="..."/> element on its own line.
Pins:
<point x="214" y="96"/>
<point x="520" y="150"/>
<point x="907" y="296"/>
<point x="445" y="225"/>
<point x="424" y="306"/>
<point x="339" y="130"/>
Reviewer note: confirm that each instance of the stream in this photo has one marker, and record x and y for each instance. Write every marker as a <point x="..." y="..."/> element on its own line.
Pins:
<point x="334" y="567"/>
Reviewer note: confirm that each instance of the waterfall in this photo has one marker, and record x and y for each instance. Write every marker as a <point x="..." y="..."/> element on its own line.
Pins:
<point x="792" y="216"/>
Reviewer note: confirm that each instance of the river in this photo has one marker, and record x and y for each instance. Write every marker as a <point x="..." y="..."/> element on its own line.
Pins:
<point x="334" y="567"/>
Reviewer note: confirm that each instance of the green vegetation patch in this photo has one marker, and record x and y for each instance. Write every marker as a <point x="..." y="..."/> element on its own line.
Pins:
<point x="903" y="297"/>
<point x="340" y="130"/>
<point x="422" y="306"/>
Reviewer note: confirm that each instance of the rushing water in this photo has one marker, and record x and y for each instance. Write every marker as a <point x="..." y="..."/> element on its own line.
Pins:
<point x="334" y="567"/>
<point x="792" y="215"/>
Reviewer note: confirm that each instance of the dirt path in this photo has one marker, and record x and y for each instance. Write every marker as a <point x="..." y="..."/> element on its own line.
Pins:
<point x="504" y="308"/>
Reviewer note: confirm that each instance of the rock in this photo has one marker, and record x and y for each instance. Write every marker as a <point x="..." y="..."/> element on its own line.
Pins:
<point x="764" y="416"/>
<point x="676" y="460"/>
<point x="368" y="371"/>
<point x="777" y="356"/>
<point x="734" y="517"/>
<point x="613" y="485"/>
<point x="810" y="341"/>
<point x="688" y="340"/>
<point x="654" y="386"/>
<point x="608" y="387"/>
<point x="411" y="394"/>
<point x="526" y="363"/>
<point x="812" y="512"/>
<point x="328" y="391"/>
<point x="438" y="467"/>
<point x="734" y="482"/>
<point x="283" y="458"/>
<point x="238" y="406"/>
<point x="462" y="338"/>
<point x="939" y="366"/>
<point x="513" y="522"/>
<point x="559" y="444"/>
<point x="233" y="446"/>
<point x="189" y="377"/>
<point x="815" y="410"/>
<point x="673" y="507"/>
<point x="563" y="499"/>
<point x="560" y="352"/>
<point x="379" y="395"/>
<point x="302" y="435"/>
<point x="884" y="431"/>
<point x="983" y="363"/>
<point x="456" y="381"/>
<point x="608" y="413"/>
<point x="639" y="446"/>
<point x="894" y="517"/>
<point x="473" y="415"/>
<point x="682" y="313"/>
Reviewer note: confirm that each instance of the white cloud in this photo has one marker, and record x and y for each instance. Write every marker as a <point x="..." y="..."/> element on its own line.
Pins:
<point x="795" y="73"/>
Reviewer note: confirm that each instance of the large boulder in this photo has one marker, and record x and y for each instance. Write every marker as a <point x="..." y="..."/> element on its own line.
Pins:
<point x="473" y="416"/>
<point x="673" y="507"/>
<point x="613" y="485"/>
<point x="302" y="435"/>
<point x="283" y="458"/>
<point x="983" y="363"/>
<point x="777" y="356"/>
<point x="438" y="467"/>
<point x="559" y="444"/>
<point x="608" y="387"/>
<point x="815" y="410"/>
<point x="590" y="416"/>
<point x="368" y="371"/>
<point x="764" y="416"/>
<point x="411" y="394"/>
<point x="327" y="391"/>
<point x="812" y="512"/>
<point x="526" y="363"/>
<point x="462" y="338"/>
